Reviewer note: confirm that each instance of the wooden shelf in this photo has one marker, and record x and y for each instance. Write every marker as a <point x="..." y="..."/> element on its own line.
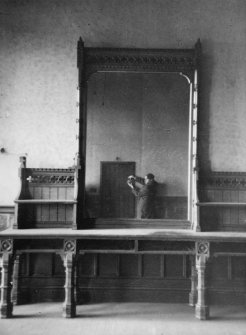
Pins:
<point x="46" y="201"/>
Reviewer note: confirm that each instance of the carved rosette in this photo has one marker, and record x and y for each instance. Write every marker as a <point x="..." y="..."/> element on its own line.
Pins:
<point x="70" y="246"/>
<point x="202" y="249"/>
<point x="6" y="246"/>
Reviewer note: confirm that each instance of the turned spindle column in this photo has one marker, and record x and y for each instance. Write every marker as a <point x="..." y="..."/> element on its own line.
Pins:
<point x="202" y="255"/>
<point x="69" y="305"/>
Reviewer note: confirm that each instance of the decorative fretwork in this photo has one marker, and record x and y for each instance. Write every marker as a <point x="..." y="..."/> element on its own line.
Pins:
<point x="6" y="245"/>
<point x="144" y="61"/>
<point x="53" y="179"/>
<point x="52" y="176"/>
<point x="227" y="180"/>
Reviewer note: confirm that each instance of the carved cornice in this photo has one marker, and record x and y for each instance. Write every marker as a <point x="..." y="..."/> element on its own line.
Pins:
<point x="224" y="180"/>
<point x="140" y="60"/>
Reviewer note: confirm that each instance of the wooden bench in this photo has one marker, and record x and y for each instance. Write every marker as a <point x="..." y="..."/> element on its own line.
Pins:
<point x="47" y="198"/>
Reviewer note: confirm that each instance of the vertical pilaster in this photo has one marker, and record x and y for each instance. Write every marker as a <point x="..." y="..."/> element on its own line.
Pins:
<point x="6" y="306"/>
<point x="195" y="140"/>
<point x="69" y="305"/>
<point x="76" y="181"/>
<point x="195" y="214"/>
<point x="202" y="255"/>
<point x="193" y="291"/>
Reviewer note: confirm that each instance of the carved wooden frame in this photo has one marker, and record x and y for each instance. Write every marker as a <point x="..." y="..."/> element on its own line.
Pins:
<point x="185" y="62"/>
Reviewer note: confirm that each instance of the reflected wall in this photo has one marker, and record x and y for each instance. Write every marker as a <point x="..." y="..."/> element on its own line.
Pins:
<point x="141" y="120"/>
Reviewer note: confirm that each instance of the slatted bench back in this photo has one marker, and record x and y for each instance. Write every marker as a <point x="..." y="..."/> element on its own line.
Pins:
<point x="47" y="198"/>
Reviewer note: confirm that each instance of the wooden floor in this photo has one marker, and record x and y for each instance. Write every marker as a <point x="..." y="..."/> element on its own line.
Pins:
<point x="124" y="318"/>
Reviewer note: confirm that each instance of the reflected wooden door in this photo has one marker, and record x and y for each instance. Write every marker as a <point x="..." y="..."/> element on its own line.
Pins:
<point x="117" y="199"/>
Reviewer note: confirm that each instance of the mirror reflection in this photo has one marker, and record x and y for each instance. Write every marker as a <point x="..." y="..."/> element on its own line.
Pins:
<point x="137" y="146"/>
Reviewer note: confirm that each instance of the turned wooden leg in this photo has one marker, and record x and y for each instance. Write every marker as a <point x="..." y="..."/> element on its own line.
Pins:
<point x="202" y="308"/>
<point x="193" y="291"/>
<point x="6" y="306"/>
<point x="69" y="306"/>
<point x="14" y="293"/>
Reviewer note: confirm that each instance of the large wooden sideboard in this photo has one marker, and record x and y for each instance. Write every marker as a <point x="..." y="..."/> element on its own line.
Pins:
<point x="69" y="244"/>
<point x="46" y="223"/>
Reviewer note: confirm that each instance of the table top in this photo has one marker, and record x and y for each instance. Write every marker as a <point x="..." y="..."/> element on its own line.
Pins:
<point x="123" y="234"/>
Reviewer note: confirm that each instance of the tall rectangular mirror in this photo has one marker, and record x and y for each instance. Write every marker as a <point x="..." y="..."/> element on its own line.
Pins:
<point x="137" y="124"/>
<point x="138" y="118"/>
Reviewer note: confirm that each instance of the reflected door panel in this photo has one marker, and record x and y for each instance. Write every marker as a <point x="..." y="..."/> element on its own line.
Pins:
<point x="116" y="200"/>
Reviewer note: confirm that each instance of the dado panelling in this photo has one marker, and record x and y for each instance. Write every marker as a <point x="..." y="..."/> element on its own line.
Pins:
<point x="107" y="276"/>
<point x="111" y="277"/>
<point x="228" y="191"/>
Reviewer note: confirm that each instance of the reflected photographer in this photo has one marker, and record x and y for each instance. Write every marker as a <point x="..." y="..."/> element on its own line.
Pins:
<point x="145" y="194"/>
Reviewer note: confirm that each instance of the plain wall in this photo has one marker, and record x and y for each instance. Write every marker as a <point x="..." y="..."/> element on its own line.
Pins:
<point x="39" y="75"/>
